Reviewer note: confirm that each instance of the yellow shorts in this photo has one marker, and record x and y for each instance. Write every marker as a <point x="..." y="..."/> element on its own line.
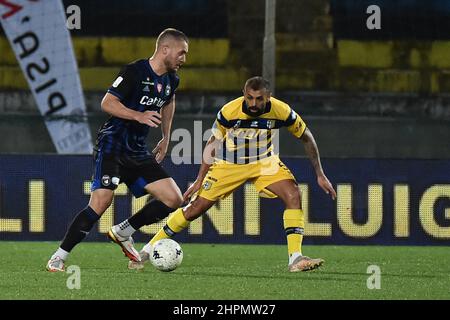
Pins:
<point x="225" y="177"/>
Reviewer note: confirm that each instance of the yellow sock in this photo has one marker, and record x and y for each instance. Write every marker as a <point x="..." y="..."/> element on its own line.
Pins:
<point x="294" y="222"/>
<point x="176" y="223"/>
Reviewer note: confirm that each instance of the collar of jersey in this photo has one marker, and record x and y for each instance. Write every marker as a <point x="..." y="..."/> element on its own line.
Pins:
<point x="149" y="67"/>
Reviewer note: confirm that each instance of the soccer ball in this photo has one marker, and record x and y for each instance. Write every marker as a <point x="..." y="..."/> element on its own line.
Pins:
<point x="166" y="255"/>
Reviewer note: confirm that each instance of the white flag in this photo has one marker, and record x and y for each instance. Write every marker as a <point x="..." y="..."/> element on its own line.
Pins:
<point x="37" y="32"/>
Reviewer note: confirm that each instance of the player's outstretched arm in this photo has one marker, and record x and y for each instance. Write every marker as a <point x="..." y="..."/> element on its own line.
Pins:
<point x="167" y="113"/>
<point x="112" y="105"/>
<point x="313" y="154"/>
<point x="208" y="158"/>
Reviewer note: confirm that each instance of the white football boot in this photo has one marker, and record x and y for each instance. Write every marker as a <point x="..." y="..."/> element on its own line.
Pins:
<point x="127" y="244"/>
<point x="133" y="265"/>
<point x="304" y="263"/>
<point x="55" y="265"/>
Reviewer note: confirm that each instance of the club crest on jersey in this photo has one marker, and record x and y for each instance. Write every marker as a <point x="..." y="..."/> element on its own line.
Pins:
<point x="159" y="87"/>
<point x="207" y="185"/>
<point x="270" y="124"/>
<point x="168" y="89"/>
<point x="106" y="180"/>
<point x="237" y="125"/>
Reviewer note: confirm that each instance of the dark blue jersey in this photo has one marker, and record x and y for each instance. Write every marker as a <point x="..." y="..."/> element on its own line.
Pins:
<point x="139" y="88"/>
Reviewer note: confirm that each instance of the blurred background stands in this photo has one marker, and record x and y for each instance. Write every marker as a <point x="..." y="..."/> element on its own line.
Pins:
<point x="390" y="85"/>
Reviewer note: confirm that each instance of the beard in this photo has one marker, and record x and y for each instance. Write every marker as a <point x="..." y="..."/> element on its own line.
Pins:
<point x="169" y="66"/>
<point x="255" y="112"/>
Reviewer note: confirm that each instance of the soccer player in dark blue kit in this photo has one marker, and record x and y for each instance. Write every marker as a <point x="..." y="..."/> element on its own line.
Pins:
<point x="141" y="97"/>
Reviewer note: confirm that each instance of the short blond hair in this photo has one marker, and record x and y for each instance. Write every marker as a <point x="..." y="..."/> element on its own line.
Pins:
<point x="171" y="33"/>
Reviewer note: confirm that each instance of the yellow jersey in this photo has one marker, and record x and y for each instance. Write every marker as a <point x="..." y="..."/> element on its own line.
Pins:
<point x="246" y="138"/>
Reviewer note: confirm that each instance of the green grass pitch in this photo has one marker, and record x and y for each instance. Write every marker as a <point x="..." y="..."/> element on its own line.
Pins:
<point x="221" y="272"/>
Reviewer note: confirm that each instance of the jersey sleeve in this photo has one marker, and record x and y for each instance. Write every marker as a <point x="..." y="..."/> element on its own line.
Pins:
<point x="295" y="124"/>
<point x="218" y="129"/>
<point x="176" y="83"/>
<point x="125" y="82"/>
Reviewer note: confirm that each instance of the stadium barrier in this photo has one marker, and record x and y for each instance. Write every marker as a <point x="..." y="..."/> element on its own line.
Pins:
<point x="380" y="202"/>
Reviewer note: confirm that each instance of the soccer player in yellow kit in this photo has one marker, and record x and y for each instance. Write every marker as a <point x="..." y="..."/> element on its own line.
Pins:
<point x="245" y="128"/>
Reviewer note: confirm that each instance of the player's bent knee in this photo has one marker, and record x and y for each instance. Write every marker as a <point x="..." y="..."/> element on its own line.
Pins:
<point x="197" y="207"/>
<point x="191" y="213"/>
<point x="100" y="207"/>
<point x="293" y="199"/>
<point x="174" y="202"/>
<point x="194" y="210"/>
<point x="100" y="201"/>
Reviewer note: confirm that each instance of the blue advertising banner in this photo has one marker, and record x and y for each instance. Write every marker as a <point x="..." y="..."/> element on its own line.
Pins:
<point x="380" y="202"/>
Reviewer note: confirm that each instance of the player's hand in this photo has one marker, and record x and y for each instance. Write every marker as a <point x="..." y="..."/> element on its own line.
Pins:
<point x="192" y="190"/>
<point x="325" y="184"/>
<point x="150" y="118"/>
<point x="160" y="150"/>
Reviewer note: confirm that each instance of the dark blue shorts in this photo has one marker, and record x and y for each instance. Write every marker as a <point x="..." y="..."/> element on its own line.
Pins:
<point x="111" y="170"/>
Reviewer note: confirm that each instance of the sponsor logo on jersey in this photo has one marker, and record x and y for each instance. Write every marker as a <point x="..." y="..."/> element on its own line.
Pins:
<point x="146" y="89"/>
<point x="117" y="82"/>
<point x="159" y="87"/>
<point x="115" y="180"/>
<point x="254" y="124"/>
<point x="155" y="101"/>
